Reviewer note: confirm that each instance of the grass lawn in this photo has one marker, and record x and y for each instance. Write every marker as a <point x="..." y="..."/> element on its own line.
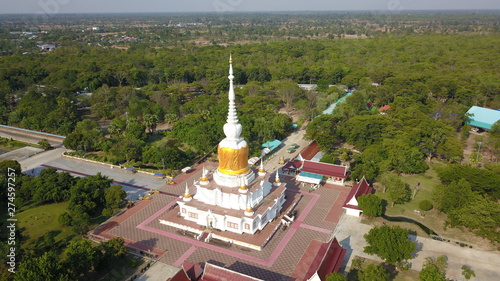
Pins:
<point x="8" y="145"/>
<point x="36" y="222"/>
<point x="432" y="219"/>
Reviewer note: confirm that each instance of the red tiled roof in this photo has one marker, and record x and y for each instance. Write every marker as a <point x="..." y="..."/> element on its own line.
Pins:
<point x="325" y="169"/>
<point x="309" y="151"/>
<point x="294" y="165"/>
<point x="193" y="270"/>
<point x="384" y="108"/>
<point x="328" y="259"/>
<point x="180" y="276"/>
<point x="216" y="273"/>
<point x="361" y="188"/>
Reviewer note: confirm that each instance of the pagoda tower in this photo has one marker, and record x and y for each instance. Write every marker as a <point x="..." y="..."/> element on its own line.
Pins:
<point x="232" y="150"/>
<point x="235" y="197"/>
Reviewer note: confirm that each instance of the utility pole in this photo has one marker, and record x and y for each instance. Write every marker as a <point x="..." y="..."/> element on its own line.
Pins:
<point x="478" y="151"/>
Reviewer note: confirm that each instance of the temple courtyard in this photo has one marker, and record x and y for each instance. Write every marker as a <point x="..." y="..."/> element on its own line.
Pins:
<point x="288" y="251"/>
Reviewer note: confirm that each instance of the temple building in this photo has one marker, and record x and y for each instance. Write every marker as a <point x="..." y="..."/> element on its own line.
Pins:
<point x="234" y="197"/>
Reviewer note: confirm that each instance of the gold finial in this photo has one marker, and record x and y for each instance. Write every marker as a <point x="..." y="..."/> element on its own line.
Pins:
<point x="230" y="58"/>
<point x="186" y="193"/>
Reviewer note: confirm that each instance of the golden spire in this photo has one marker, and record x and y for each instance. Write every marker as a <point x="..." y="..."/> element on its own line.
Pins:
<point x="249" y="210"/>
<point x="262" y="172"/>
<point x="277" y="180"/>
<point x="204" y="175"/>
<point x="187" y="196"/>
<point x="233" y="150"/>
<point x="243" y="186"/>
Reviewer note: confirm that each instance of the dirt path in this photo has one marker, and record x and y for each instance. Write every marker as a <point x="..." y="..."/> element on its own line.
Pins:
<point x="470" y="147"/>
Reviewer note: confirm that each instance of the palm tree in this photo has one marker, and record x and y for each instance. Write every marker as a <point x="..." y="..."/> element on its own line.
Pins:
<point x="150" y="120"/>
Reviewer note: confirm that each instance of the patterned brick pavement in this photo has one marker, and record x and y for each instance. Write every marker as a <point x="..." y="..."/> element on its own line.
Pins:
<point x="318" y="213"/>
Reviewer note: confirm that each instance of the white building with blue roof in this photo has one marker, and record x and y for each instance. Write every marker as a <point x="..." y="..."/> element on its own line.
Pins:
<point x="481" y="117"/>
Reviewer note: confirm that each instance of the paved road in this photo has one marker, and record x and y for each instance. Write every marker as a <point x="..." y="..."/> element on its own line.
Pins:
<point x="20" y="153"/>
<point x="28" y="137"/>
<point x="296" y="137"/>
<point x="35" y="162"/>
<point x="350" y="231"/>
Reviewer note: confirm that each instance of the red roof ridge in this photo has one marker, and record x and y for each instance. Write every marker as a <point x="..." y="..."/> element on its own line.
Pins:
<point x="214" y="272"/>
<point x="325" y="169"/>
<point x="361" y="188"/>
<point x="332" y="255"/>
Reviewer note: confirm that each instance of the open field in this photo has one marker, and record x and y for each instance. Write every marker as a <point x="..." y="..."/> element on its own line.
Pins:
<point x="43" y="219"/>
<point x="433" y="219"/>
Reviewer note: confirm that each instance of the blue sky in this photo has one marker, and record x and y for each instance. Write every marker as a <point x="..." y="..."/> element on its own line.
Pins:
<point x="128" y="6"/>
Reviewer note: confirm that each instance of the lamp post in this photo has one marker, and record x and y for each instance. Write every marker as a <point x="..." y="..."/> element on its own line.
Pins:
<point x="478" y="151"/>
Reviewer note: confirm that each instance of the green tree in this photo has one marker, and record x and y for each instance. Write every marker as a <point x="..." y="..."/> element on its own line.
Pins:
<point x="46" y="267"/>
<point x="430" y="273"/>
<point x="425" y="205"/>
<point x="167" y="157"/>
<point x="390" y="243"/>
<point x="114" y="195"/>
<point x="335" y="276"/>
<point x="440" y="262"/>
<point x="434" y="269"/>
<point x="126" y="149"/>
<point x="79" y="258"/>
<point x="371" y="205"/>
<point x="481" y="180"/>
<point x="117" y="127"/>
<point x="103" y="102"/>
<point x="467" y="272"/>
<point x="475" y="158"/>
<point x="373" y="272"/>
<point x="135" y="130"/>
<point x="110" y="252"/>
<point x="88" y="136"/>
<point x="8" y="169"/>
<point x="288" y="92"/>
<point x="151" y="120"/>
<point x="44" y="143"/>
<point x="399" y="192"/>
<point x="364" y="130"/>
<point x="325" y="130"/>
<point x="328" y="158"/>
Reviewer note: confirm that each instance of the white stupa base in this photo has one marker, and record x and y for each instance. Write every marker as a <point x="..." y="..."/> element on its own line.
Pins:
<point x="233" y="180"/>
<point x="249" y="214"/>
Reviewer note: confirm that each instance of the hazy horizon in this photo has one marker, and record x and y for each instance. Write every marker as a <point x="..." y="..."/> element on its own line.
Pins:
<point x="220" y="6"/>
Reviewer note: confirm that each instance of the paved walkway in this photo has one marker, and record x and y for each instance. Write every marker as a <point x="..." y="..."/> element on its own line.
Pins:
<point x="276" y="261"/>
<point x="20" y="153"/>
<point x="350" y="233"/>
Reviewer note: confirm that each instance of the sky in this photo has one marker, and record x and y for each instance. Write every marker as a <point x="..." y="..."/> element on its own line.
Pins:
<point x="131" y="6"/>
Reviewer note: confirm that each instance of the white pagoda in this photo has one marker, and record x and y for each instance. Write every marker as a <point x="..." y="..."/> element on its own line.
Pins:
<point x="234" y="197"/>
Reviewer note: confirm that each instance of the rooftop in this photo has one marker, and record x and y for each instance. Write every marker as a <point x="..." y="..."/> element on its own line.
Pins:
<point x="361" y="188"/>
<point x="482" y="117"/>
<point x="213" y="272"/>
<point x="325" y="169"/>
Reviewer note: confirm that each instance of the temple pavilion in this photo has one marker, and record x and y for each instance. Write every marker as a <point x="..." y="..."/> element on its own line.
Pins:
<point x="234" y="197"/>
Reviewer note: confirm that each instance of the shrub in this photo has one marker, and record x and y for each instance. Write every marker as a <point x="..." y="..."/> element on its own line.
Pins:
<point x="425" y="205"/>
<point x="65" y="219"/>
